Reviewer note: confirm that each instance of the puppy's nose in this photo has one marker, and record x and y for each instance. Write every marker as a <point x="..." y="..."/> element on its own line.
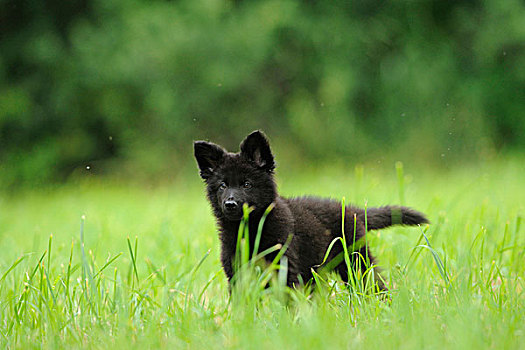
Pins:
<point x="230" y="204"/>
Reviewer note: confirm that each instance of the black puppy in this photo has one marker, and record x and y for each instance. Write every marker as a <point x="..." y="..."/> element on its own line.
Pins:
<point x="233" y="179"/>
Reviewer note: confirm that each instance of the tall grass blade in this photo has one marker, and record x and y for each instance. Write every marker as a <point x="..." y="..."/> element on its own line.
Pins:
<point x="437" y="259"/>
<point x="133" y="261"/>
<point x="107" y="264"/>
<point x="13" y="265"/>
<point x="192" y="278"/>
<point x="260" y="228"/>
<point x="400" y="182"/>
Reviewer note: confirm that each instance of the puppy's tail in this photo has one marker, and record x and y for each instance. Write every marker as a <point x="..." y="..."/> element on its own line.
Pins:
<point x="378" y="218"/>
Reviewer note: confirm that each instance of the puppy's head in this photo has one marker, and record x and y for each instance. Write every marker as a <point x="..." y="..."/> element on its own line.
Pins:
<point x="233" y="179"/>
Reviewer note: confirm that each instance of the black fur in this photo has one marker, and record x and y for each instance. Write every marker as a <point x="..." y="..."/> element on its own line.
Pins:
<point x="247" y="177"/>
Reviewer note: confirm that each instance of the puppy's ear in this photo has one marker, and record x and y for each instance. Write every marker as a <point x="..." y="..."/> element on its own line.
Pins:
<point x="209" y="156"/>
<point x="256" y="149"/>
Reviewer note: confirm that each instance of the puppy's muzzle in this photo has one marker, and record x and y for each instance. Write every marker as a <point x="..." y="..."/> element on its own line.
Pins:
<point x="231" y="206"/>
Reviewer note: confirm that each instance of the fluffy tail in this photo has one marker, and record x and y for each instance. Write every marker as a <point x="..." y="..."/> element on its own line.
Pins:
<point x="378" y="218"/>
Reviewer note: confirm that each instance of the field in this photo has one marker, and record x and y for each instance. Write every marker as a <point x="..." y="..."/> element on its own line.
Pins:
<point x="95" y="263"/>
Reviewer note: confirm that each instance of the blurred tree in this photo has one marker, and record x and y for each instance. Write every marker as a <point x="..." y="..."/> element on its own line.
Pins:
<point x="131" y="83"/>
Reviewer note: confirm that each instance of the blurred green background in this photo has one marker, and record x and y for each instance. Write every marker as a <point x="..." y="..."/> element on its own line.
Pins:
<point x="122" y="87"/>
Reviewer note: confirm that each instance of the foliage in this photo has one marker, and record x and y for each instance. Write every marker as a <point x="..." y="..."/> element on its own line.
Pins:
<point x="127" y="84"/>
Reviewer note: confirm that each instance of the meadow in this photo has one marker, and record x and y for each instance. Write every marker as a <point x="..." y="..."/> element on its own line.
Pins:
<point x="97" y="263"/>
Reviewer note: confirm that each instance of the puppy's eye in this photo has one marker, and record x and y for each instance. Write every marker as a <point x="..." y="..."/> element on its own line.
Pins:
<point x="247" y="184"/>
<point x="222" y="186"/>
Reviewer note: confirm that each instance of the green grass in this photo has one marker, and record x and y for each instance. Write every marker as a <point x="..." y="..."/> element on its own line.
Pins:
<point x="96" y="264"/>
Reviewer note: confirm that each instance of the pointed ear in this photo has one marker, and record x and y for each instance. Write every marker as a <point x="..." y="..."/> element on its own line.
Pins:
<point x="209" y="156"/>
<point x="256" y="149"/>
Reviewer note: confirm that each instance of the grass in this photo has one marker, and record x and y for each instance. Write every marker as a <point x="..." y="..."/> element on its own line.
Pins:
<point x="94" y="264"/>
